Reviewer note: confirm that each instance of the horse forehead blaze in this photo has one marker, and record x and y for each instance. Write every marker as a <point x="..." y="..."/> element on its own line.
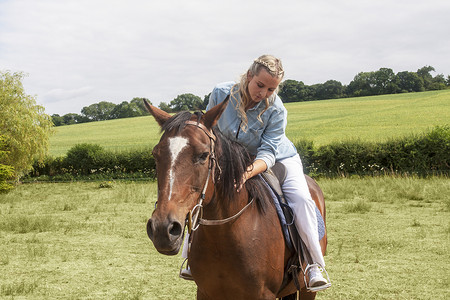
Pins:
<point x="176" y="146"/>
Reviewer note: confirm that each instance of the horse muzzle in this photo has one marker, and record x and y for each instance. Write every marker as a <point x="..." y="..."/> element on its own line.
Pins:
<point x="166" y="235"/>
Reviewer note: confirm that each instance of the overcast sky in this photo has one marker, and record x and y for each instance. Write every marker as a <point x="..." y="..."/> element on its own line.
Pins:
<point x="80" y="52"/>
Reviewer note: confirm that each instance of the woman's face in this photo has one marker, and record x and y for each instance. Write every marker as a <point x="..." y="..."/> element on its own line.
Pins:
<point x="262" y="86"/>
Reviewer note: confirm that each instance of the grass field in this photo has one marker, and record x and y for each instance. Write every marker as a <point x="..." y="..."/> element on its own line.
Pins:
<point x="376" y="118"/>
<point x="389" y="238"/>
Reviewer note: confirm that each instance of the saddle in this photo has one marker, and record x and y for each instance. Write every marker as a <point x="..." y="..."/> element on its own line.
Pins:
<point x="274" y="178"/>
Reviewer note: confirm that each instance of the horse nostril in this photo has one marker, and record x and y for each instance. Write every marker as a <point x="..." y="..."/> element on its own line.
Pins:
<point x="150" y="228"/>
<point x="175" y="229"/>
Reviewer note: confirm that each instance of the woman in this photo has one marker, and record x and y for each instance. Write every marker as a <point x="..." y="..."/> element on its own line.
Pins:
<point x="256" y="118"/>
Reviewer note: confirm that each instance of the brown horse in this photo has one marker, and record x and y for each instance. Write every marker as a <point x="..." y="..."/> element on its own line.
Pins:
<point x="243" y="257"/>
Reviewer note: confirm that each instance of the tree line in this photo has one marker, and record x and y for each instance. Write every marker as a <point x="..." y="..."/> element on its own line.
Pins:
<point x="381" y="82"/>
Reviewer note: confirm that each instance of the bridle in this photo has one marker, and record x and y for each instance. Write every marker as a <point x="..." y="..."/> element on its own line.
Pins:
<point x="197" y="211"/>
<point x="195" y="216"/>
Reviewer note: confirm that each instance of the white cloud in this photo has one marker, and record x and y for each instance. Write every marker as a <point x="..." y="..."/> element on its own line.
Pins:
<point x="81" y="52"/>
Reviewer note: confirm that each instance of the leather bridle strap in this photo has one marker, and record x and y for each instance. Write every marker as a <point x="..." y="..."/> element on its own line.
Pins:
<point x="198" y="209"/>
<point x="193" y="218"/>
<point x="202" y="127"/>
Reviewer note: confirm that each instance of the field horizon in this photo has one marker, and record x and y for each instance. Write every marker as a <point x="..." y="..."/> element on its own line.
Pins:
<point x="372" y="119"/>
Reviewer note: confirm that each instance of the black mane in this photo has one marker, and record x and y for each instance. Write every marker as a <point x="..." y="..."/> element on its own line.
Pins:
<point x="233" y="159"/>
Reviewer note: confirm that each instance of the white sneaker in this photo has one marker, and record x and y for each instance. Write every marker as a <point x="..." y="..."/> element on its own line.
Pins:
<point x="186" y="274"/>
<point x="316" y="280"/>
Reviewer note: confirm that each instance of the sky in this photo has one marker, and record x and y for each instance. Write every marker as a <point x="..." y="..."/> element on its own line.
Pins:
<point x="79" y="52"/>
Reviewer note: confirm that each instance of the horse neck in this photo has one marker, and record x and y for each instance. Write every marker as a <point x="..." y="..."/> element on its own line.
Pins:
<point x="220" y="208"/>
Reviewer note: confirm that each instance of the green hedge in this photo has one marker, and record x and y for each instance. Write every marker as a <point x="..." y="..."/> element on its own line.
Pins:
<point x="422" y="155"/>
<point x="93" y="162"/>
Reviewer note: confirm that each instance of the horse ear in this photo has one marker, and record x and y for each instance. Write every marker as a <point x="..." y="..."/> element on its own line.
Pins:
<point x="160" y="116"/>
<point x="213" y="115"/>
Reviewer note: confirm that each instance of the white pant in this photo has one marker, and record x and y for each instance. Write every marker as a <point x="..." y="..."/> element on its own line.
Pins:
<point x="296" y="192"/>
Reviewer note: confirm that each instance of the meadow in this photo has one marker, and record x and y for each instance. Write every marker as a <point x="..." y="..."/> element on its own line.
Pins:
<point x="375" y="119"/>
<point x="389" y="238"/>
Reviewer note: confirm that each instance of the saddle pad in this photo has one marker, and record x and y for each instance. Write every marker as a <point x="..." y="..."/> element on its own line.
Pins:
<point x="276" y="199"/>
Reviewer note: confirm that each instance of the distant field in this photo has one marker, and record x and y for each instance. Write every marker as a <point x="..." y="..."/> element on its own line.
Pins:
<point x="375" y="118"/>
<point x="117" y="135"/>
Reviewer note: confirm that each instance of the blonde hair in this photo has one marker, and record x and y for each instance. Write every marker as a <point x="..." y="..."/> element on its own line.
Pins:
<point x="274" y="67"/>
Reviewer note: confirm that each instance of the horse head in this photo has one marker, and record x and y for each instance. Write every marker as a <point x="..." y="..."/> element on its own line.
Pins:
<point x="184" y="160"/>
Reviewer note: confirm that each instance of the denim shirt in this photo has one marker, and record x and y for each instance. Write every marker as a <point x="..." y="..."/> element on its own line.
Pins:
<point x="267" y="140"/>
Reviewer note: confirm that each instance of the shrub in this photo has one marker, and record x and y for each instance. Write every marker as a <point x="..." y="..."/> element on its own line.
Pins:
<point x="50" y="166"/>
<point x="344" y="158"/>
<point x="85" y="158"/>
<point x="92" y="162"/>
<point x="425" y="154"/>
<point x="6" y="173"/>
<point x="306" y="151"/>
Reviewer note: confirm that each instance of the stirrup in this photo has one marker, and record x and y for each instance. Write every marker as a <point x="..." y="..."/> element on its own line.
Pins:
<point x="320" y="287"/>
<point x="182" y="274"/>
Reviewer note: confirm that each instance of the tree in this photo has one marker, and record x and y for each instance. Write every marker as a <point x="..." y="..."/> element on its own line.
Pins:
<point x="6" y="171"/>
<point x="292" y="91"/>
<point x="206" y="101"/>
<point x="331" y="89"/>
<point x="57" y="120"/>
<point x="139" y="102"/>
<point x="438" y="82"/>
<point x="71" y="118"/>
<point x="385" y="82"/>
<point x="24" y="124"/>
<point x="98" y="111"/>
<point x="361" y="85"/>
<point x="424" y="74"/>
<point x="165" y="107"/>
<point x="125" y="110"/>
<point x="186" y="102"/>
<point x="409" y="82"/>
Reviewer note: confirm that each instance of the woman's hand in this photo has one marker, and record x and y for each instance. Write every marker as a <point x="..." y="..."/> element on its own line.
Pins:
<point x="257" y="167"/>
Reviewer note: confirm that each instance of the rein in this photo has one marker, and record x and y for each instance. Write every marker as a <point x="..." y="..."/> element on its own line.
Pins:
<point x="193" y="217"/>
<point x="223" y="221"/>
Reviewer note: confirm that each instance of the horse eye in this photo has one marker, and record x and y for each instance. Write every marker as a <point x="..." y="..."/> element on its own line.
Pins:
<point x="202" y="157"/>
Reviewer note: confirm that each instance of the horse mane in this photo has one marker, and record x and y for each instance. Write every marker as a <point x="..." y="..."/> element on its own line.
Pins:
<point x="233" y="160"/>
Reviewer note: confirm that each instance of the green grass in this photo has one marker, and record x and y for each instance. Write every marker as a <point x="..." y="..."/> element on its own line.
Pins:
<point x="373" y="119"/>
<point x="389" y="238"/>
<point x="376" y="118"/>
<point x="116" y="135"/>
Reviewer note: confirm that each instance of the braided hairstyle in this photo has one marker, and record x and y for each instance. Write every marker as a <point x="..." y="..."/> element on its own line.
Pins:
<point x="267" y="62"/>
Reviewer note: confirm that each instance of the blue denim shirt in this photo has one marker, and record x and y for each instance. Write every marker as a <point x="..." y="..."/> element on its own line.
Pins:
<point x="266" y="140"/>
